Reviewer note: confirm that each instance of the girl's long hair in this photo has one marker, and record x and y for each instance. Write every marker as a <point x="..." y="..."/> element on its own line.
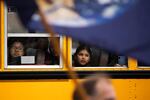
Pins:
<point x="80" y="48"/>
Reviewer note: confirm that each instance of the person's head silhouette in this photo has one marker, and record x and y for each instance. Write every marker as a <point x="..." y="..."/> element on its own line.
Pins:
<point x="98" y="87"/>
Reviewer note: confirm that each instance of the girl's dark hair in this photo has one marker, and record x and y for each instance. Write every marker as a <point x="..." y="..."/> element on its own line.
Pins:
<point x="80" y="48"/>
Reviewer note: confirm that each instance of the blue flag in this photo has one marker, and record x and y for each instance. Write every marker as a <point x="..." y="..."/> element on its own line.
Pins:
<point x="25" y="9"/>
<point x="120" y="26"/>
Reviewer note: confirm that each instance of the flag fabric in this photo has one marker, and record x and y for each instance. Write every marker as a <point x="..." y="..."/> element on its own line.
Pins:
<point x="25" y="9"/>
<point x="125" y="31"/>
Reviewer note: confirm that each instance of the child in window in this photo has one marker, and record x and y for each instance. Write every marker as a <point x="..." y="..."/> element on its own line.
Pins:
<point x="82" y="56"/>
<point x="16" y="51"/>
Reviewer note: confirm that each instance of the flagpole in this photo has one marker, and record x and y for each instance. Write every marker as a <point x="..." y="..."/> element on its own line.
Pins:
<point x="71" y="72"/>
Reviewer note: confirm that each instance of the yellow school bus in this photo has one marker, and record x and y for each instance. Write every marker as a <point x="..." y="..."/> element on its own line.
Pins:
<point x="30" y="81"/>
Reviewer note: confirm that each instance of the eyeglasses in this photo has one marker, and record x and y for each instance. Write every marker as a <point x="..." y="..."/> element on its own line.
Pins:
<point x="18" y="48"/>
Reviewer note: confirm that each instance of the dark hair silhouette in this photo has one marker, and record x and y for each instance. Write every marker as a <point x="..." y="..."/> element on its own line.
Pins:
<point x="80" y="48"/>
<point x="89" y="85"/>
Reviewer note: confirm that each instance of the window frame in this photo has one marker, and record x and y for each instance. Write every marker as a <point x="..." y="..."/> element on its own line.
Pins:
<point x="17" y="34"/>
<point x="94" y="68"/>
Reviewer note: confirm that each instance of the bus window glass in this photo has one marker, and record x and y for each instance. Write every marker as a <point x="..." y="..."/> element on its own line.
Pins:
<point x="28" y="48"/>
<point x="84" y="55"/>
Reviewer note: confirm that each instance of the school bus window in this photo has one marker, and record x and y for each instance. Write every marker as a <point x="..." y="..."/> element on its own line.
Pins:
<point x="14" y="24"/>
<point x="31" y="51"/>
<point x="86" y="56"/>
<point x="27" y="48"/>
<point x="142" y="64"/>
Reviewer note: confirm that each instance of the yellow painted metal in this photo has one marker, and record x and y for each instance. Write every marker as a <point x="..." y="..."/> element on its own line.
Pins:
<point x="142" y="89"/>
<point x="126" y="89"/>
<point x="2" y="35"/>
<point x="133" y="64"/>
